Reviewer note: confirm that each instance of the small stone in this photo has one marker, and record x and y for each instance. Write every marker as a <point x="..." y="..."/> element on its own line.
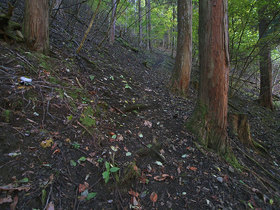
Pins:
<point x="204" y="189"/>
<point x="231" y="169"/>
<point x="220" y="179"/>
<point x="169" y="204"/>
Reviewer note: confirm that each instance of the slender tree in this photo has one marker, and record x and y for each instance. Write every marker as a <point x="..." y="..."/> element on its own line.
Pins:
<point x="148" y="24"/>
<point x="36" y="25"/>
<point x="181" y="75"/>
<point x="140" y="23"/>
<point x="209" y="120"/>
<point x="173" y="30"/>
<point x="265" y="96"/>
<point x="113" y="22"/>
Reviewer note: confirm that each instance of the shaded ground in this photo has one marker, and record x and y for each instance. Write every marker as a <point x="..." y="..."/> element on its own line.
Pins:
<point x="113" y="105"/>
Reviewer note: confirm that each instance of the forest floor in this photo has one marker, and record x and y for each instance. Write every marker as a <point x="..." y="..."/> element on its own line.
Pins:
<point x="108" y="115"/>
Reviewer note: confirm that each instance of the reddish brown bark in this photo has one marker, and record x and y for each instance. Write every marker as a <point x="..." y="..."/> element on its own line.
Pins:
<point x="36" y="25"/>
<point x="181" y="75"/>
<point x="210" y="117"/>
<point x="265" y="96"/>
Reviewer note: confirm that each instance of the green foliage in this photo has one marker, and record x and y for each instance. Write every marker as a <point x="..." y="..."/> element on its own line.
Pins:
<point x="76" y="145"/>
<point x="245" y="41"/>
<point x="109" y="169"/>
<point x="91" y="195"/>
<point x="87" y="117"/>
<point x="6" y="114"/>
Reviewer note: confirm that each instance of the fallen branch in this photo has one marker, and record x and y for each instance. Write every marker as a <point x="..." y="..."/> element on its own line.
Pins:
<point x="89" y="27"/>
<point x="136" y="107"/>
<point x="84" y="128"/>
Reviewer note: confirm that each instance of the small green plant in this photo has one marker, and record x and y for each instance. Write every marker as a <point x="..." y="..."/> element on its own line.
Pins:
<point x="81" y="159"/>
<point x="6" y="115"/>
<point x="109" y="169"/>
<point x="127" y="86"/>
<point x="69" y="117"/>
<point x="87" y="118"/>
<point x="91" y="77"/>
<point x="76" y="145"/>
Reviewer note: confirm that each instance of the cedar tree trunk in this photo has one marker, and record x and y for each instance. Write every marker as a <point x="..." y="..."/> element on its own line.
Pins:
<point x="148" y="20"/>
<point x="181" y="75"/>
<point x="36" y="25"/>
<point x="265" y="96"/>
<point x="209" y="121"/>
<point x="173" y="30"/>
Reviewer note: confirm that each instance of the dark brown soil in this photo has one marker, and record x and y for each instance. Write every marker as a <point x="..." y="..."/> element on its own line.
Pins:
<point x="137" y="126"/>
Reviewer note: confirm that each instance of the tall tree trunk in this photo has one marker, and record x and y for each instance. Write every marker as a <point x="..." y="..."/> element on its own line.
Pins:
<point x="181" y="75"/>
<point x="113" y="22"/>
<point x="140" y="23"/>
<point x="148" y="24"/>
<point x="36" y="25"/>
<point x="265" y="96"/>
<point x="209" y="121"/>
<point x="173" y="30"/>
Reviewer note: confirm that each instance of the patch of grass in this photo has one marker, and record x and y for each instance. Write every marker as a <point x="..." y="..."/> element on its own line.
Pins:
<point x="6" y="114"/>
<point x="87" y="117"/>
<point x="54" y="80"/>
<point x="231" y="159"/>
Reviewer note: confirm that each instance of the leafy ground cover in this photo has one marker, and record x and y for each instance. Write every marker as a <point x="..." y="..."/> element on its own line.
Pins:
<point x="101" y="130"/>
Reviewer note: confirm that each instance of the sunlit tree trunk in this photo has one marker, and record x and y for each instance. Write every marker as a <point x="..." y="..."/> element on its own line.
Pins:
<point x="209" y="121"/>
<point x="36" y="25"/>
<point x="181" y="75"/>
<point x="265" y="96"/>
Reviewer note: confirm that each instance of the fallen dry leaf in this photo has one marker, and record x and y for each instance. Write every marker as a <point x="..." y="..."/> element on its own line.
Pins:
<point x="143" y="179"/>
<point x="54" y="145"/>
<point x="83" y="187"/>
<point x="11" y="187"/>
<point x="47" y="143"/>
<point x="13" y="205"/>
<point x="134" y="201"/>
<point x="135" y="168"/>
<point x="51" y="178"/>
<point x="128" y="132"/>
<point x="153" y="197"/>
<point x="135" y="194"/>
<point x="148" y="123"/>
<point x="119" y="137"/>
<point x="112" y="133"/>
<point x="50" y="206"/>
<point x="56" y="151"/>
<point x="6" y="200"/>
<point x="162" y="177"/>
<point x="92" y="154"/>
<point x="193" y="168"/>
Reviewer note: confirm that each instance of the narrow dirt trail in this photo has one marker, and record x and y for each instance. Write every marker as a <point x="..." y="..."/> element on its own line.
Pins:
<point x="194" y="180"/>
